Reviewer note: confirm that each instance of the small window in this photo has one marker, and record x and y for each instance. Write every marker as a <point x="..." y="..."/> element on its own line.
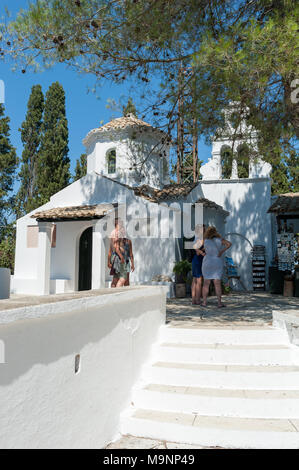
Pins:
<point x="111" y="161"/>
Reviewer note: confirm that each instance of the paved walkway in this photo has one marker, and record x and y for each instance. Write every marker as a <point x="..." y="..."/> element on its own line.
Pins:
<point x="242" y="309"/>
<point x="131" y="442"/>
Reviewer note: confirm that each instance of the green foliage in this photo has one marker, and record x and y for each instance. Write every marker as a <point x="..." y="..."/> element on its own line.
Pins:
<point x="129" y="108"/>
<point x="226" y="289"/>
<point x="81" y="167"/>
<point x="27" y="197"/>
<point x="226" y="161"/>
<point x="293" y="169"/>
<point x="243" y="154"/>
<point x="7" y="247"/>
<point x="53" y="164"/>
<point x="8" y="164"/>
<point x="285" y="175"/>
<point x="182" y="268"/>
<point x="245" y="52"/>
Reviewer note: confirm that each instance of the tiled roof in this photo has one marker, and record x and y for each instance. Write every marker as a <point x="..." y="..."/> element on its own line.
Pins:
<point x="168" y="192"/>
<point x="210" y="204"/>
<point x="125" y="122"/>
<point x="288" y="202"/>
<point x="74" y="212"/>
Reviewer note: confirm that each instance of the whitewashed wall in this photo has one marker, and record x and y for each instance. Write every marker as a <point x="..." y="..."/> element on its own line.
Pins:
<point x="44" y="403"/>
<point x="145" y="148"/>
<point x="152" y="255"/>
<point x="247" y="201"/>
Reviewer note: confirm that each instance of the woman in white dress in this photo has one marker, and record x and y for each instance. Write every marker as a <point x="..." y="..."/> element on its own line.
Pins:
<point x="212" y="265"/>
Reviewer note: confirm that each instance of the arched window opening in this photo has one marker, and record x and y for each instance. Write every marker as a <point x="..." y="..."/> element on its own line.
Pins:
<point x="111" y="161"/>
<point x="243" y="161"/>
<point x="226" y="155"/>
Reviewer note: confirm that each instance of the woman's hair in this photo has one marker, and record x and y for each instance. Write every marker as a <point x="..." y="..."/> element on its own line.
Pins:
<point x="211" y="232"/>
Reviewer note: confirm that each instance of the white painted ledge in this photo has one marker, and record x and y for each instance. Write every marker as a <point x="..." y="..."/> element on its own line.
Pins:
<point x="70" y="367"/>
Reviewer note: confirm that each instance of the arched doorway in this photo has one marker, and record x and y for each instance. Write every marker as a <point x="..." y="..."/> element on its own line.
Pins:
<point x="85" y="260"/>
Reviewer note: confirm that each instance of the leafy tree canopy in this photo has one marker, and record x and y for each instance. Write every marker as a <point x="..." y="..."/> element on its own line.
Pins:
<point x="239" y="51"/>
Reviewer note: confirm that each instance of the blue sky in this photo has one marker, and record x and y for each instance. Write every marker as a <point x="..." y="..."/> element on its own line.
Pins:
<point x="85" y="110"/>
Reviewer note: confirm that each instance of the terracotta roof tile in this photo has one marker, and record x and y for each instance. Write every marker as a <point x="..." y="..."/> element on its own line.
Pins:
<point x="74" y="212"/>
<point x="168" y="192"/>
<point x="125" y="122"/>
<point x="288" y="202"/>
<point x="210" y="204"/>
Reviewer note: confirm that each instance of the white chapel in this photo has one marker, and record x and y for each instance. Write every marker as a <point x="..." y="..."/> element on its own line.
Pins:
<point x="60" y="246"/>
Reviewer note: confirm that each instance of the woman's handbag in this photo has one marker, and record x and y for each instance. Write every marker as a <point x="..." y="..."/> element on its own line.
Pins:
<point x="115" y="265"/>
<point x="112" y="270"/>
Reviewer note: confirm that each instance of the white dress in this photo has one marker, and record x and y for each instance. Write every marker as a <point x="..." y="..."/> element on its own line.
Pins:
<point x="212" y="265"/>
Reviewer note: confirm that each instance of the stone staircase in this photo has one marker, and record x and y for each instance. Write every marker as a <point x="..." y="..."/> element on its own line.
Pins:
<point x="230" y="388"/>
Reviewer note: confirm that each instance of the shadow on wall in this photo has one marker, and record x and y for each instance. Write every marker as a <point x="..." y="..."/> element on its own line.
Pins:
<point x="50" y="339"/>
<point x="152" y="255"/>
<point x="248" y="217"/>
<point x="90" y="189"/>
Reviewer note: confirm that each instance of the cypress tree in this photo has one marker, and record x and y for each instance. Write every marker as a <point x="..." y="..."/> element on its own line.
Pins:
<point x="27" y="197"/>
<point x="129" y="108"/>
<point x="81" y="167"/>
<point x="54" y="164"/>
<point x="8" y="164"/>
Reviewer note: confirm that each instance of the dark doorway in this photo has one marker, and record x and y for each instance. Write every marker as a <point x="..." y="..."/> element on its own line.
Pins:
<point x="85" y="260"/>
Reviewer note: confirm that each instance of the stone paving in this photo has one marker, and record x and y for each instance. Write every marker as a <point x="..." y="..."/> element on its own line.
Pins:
<point x="131" y="442"/>
<point x="242" y="309"/>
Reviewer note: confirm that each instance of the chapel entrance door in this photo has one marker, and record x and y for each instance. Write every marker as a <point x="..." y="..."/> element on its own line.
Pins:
<point x="85" y="260"/>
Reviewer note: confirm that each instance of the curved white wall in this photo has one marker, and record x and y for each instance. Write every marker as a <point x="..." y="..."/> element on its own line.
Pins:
<point x="143" y="152"/>
<point x="44" y="403"/>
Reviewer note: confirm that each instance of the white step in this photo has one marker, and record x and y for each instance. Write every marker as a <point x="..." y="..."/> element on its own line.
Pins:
<point x="219" y="401"/>
<point x="227" y="354"/>
<point x="232" y="388"/>
<point x="236" y="433"/>
<point x="231" y="376"/>
<point x="225" y="335"/>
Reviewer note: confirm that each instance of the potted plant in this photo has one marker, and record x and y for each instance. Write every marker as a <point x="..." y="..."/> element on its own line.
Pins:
<point x="181" y="270"/>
